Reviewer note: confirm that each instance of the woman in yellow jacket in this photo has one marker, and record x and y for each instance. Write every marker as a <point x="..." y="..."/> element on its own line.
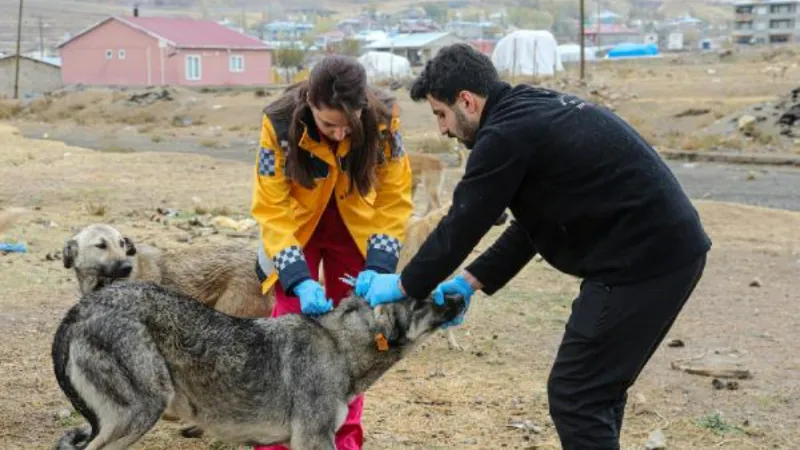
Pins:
<point x="332" y="185"/>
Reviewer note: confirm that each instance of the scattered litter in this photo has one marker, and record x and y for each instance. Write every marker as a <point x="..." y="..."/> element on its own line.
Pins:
<point x="525" y="425"/>
<point x="167" y="212"/>
<point x="639" y="405"/>
<point x="150" y="97"/>
<point x="656" y="441"/>
<point x="236" y="225"/>
<point x="7" y="247"/>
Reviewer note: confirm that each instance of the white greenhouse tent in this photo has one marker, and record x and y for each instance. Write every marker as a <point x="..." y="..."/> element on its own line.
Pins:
<point x="572" y="53"/>
<point x="385" y="66"/>
<point x="527" y="52"/>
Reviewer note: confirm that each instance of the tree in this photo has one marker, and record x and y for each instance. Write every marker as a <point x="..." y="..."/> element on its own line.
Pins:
<point x="530" y="18"/>
<point x="349" y="47"/>
<point x="290" y="58"/>
<point x="435" y="11"/>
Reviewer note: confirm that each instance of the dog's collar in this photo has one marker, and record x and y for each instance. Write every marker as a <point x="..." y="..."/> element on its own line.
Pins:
<point x="381" y="342"/>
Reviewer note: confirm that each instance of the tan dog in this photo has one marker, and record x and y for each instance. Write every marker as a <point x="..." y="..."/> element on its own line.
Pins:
<point x="219" y="276"/>
<point x="427" y="170"/>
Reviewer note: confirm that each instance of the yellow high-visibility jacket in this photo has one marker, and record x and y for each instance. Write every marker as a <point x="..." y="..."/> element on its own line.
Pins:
<point x="288" y="213"/>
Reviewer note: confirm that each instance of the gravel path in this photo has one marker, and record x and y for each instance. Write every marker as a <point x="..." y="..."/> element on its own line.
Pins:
<point x="775" y="187"/>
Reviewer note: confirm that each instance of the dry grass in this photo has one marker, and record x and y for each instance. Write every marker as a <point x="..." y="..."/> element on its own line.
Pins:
<point x="436" y="398"/>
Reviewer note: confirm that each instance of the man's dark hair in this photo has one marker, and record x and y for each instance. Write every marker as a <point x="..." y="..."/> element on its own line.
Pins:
<point x="456" y="68"/>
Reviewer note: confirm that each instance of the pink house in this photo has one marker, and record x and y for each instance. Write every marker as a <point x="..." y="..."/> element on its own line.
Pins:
<point x="130" y="51"/>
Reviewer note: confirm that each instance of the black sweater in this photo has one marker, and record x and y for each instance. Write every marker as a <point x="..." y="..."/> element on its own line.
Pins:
<point x="587" y="192"/>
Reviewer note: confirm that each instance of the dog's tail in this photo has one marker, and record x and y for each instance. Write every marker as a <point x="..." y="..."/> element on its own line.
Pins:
<point x="77" y="438"/>
<point x="74" y="439"/>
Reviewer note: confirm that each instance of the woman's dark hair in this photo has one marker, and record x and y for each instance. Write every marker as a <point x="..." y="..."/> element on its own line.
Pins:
<point x="338" y="82"/>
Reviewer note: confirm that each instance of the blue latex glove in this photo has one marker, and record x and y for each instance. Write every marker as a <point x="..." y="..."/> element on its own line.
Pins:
<point x="364" y="281"/>
<point x="459" y="286"/>
<point x="384" y="288"/>
<point x="312" y="298"/>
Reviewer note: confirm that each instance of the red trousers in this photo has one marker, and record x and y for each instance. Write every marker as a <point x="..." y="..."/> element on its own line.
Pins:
<point x="333" y="245"/>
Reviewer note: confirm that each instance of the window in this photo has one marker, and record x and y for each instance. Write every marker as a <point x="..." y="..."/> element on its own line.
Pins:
<point x="109" y="54"/>
<point x="121" y="54"/>
<point x="781" y="24"/>
<point x="193" y="67"/>
<point x="236" y="63"/>
<point x="782" y="9"/>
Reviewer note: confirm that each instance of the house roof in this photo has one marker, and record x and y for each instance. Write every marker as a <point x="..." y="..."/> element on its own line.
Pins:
<point x="413" y="40"/>
<point x="48" y="60"/>
<point x="181" y="32"/>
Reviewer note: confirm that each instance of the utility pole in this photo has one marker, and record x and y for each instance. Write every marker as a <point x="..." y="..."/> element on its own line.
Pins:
<point x="583" y="54"/>
<point x="41" y="38"/>
<point x="19" y="37"/>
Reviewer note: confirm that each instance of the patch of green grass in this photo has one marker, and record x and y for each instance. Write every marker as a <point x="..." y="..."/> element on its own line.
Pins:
<point x="717" y="425"/>
<point x="72" y="420"/>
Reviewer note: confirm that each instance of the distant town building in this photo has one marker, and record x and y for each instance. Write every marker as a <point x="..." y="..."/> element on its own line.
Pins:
<point x="418" y="48"/>
<point x="36" y="75"/>
<point x="164" y="51"/>
<point x="766" y="22"/>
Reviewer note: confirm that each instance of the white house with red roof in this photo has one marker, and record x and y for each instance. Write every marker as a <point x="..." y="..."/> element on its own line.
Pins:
<point x="137" y="51"/>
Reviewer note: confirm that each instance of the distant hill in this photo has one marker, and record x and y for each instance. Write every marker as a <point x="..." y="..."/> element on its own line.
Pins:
<point x="47" y="22"/>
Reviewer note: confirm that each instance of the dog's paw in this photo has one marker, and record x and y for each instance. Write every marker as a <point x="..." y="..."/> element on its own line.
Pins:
<point x="455" y="346"/>
<point x="192" y="432"/>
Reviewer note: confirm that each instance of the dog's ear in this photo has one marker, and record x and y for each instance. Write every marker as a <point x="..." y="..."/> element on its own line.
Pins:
<point x="130" y="246"/>
<point x="69" y="253"/>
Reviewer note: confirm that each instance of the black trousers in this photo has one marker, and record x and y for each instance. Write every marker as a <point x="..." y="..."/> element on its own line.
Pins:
<point x="609" y="337"/>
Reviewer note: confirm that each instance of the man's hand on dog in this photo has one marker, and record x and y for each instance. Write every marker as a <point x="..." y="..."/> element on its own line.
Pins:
<point x="458" y="285"/>
<point x="312" y="298"/>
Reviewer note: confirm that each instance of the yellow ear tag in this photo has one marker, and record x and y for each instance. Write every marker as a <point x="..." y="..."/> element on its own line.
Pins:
<point x="383" y="344"/>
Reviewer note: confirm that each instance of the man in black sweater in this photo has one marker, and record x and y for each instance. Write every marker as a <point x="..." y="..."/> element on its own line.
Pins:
<point x="591" y="197"/>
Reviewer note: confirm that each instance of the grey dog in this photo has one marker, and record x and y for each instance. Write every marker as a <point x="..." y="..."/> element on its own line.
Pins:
<point x="125" y="354"/>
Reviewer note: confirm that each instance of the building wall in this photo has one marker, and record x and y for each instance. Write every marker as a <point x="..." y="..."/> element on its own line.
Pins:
<point x="765" y="23"/>
<point x="215" y="67"/>
<point x="34" y="77"/>
<point x="135" y="57"/>
<point x="146" y="62"/>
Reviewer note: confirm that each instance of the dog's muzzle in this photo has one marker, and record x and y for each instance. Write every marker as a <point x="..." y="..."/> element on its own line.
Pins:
<point x="120" y="269"/>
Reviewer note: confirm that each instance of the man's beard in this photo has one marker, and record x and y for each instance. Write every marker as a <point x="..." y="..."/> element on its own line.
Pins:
<point x="465" y="131"/>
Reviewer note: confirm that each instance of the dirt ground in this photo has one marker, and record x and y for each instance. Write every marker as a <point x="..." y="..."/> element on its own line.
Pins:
<point x="492" y="395"/>
<point x="691" y="102"/>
